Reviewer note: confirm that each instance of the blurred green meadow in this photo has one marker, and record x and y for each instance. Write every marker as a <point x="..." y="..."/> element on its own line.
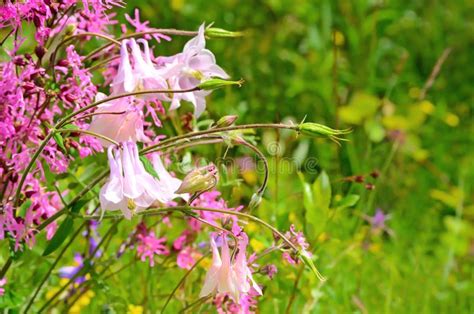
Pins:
<point x="400" y="75"/>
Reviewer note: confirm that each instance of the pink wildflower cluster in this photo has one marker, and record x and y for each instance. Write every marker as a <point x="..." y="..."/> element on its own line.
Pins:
<point x="299" y="240"/>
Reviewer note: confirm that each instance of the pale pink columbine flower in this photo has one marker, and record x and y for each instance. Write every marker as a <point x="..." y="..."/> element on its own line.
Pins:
<point x="149" y="246"/>
<point x="3" y="282"/>
<point x="140" y="74"/>
<point x="188" y="69"/>
<point x="130" y="187"/>
<point x="224" y="276"/>
<point x="119" y="120"/>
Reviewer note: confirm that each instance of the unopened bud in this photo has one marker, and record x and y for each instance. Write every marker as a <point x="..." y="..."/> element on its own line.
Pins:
<point x="225" y="121"/>
<point x="316" y="129"/>
<point x="214" y="32"/>
<point x="369" y="186"/>
<point x="215" y="83"/>
<point x="375" y="174"/>
<point x="199" y="180"/>
<point x="255" y="201"/>
<point x="63" y="63"/>
<point x="40" y="51"/>
<point x="359" y="179"/>
<point x="18" y="60"/>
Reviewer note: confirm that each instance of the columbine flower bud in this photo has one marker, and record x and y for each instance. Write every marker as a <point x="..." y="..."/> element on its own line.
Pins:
<point x="199" y="180"/>
<point x="215" y="83"/>
<point x="215" y="32"/>
<point x="255" y="201"/>
<point x="315" y="129"/>
<point x="225" y="121"/>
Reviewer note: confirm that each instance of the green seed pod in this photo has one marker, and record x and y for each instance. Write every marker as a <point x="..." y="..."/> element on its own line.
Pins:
<point x="316" y="129"/>
<point x="215" y="83"/>
<point x="214" y="32"/>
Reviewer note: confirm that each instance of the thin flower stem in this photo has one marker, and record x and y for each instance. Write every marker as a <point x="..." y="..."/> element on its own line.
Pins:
<point x="68" y="39"/>
<point x="108" y="139"/>
<point x="66" y="119"/>
<point x="50" y="270"/>
<point x="79" y="273"/>
<point x="97" y="114"/>
<point x="65" y="210"/>
<point x="30" y="165"/>
<point x="195" y="303"/>
<point x="180" y="283"/>
<point x="156" y="31"/>
<point x="295" y="288"/>
<point x="224" y="129"/>
<point x="265" y="165"/>
<point x="5" y="267"/>
<point x="217" y="139"/>
<point x="102" y="63"/>
<point x="150" y="212"/>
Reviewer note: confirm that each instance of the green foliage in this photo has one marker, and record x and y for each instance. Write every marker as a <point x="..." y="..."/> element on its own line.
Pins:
<point x="348" y="64"/>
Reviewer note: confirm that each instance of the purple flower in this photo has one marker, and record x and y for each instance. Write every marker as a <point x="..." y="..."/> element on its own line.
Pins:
<point x="71" y="271"/>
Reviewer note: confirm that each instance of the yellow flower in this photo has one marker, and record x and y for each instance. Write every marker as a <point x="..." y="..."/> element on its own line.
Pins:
<point x="135" y="309"/>
<point x="427" y="107"/>
<point x="256" y="245"/>
<point x="338" y="38"/>
<point x="451" y="119"/>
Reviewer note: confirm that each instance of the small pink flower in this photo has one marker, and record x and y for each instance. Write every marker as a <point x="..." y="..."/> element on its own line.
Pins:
<point x="185" y="258"/>
<point x="149" y="246"/>
<point x="3" y="282"/>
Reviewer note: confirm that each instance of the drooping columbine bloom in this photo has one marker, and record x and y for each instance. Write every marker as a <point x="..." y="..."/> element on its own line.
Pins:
<point x="188" y="69"/>
<point x="139" y="75"/>
<point x="119" y="120"/>
<point x="234" y="279"/>
<point x="130" y="187"/>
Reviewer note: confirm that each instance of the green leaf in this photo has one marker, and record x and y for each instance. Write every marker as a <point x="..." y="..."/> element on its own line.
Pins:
<point x="76" y="207"/>
<point x="348" y="201"/>
<point x="322" y="191"/>
<point x="61" y="234"/>
<point x="307" y="194"/>
<point x="21" y="211"/>
<point x="149" y="167"/>
<point x="59" y="140"/>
